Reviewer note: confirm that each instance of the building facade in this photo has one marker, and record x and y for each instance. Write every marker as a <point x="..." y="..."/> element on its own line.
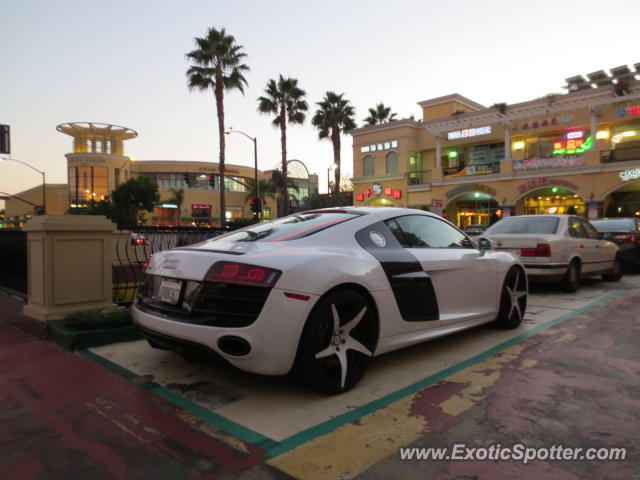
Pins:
<point x="98" y="164"/>
<point x="573" y="153"/>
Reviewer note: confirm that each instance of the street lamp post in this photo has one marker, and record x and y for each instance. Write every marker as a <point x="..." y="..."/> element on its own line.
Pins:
<point x="255" y="162"/>
<point x="44" y="184"/>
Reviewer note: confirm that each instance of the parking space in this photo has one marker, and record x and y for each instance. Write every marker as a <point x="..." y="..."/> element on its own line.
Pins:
<point x="280" y="415"/>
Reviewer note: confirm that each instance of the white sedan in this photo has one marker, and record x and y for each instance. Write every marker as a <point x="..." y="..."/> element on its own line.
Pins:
<point x="318" y="294"/>
<point x="560" y="248"/>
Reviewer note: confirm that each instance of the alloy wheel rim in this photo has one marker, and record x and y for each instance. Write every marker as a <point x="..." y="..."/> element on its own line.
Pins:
<point x="516" y="296"/>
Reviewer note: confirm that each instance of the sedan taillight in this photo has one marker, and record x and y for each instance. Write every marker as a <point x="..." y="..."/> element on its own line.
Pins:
<point x="623" y="237"/>
<point x="243" y="274"/>
<point x="541" y="250"/>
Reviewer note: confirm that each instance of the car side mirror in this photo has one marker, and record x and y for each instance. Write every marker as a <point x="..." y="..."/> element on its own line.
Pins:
<point x="484" y="244"/>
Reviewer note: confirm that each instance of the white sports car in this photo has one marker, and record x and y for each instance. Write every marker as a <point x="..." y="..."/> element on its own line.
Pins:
<point x="318" y="294"/>
<point x="560" y="248"/>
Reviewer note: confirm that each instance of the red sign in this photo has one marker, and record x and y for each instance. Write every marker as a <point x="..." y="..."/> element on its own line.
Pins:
<point x="397" y="194"/>
<point x="360" y="197"/>
<point x="367" y="192"/>
<point x="388" y="191"/>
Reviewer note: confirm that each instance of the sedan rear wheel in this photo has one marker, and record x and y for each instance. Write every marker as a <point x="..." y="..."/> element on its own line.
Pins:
<point x="572" y="277"/>
<point x="337" y="343"/>
<point x="616" y="271"/>
<point x="513" y="300"/>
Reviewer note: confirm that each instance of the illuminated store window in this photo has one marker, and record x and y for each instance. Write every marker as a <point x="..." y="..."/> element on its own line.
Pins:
<point x="87" y="183"/>
<point x="367" y="166"/>
<point x="392" y="162"/>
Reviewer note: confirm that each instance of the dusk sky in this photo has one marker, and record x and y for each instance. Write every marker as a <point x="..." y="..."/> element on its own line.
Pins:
<point x="123" y="62"/>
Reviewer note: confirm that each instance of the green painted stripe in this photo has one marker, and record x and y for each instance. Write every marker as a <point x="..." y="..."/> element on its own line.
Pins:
<point x="229" y="426"/>
<point x="326" y="427"/>
<point x="549" y="306"/>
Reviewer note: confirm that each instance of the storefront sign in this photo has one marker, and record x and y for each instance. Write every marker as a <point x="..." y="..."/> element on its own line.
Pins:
<point x="551" y="162"/>
<point x="470" y="187"/>
<point x="469" y="170"/>
<point x="168" y="205"/>
<point x="572" y="144"/>
<point x="436" y="206"/>
<point x="469" y="132"/>
<point x="378" y="190"/>
<point x="547" y="122"/>
<point x="545" y="182"/>
<point x="630" y="174"/>
<point x="197" y="206"/>
<point x="631" y="111"/>
<point x="379" y="146"/>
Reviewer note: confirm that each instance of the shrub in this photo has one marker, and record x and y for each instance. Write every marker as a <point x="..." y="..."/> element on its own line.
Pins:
<point x="96" y="319"/>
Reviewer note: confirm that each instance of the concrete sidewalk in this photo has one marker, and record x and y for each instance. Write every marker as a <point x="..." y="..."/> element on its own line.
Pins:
<point x="64" y="417"/>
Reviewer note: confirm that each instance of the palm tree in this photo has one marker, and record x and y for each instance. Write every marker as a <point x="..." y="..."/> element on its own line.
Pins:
<point x="380" y="114"/>
<point x="286" y="101"/>
<point x="266" y="189"/>
<point x="334" y="116"/>
<point x="280" y="183"/>
<point x="217" y="65"/>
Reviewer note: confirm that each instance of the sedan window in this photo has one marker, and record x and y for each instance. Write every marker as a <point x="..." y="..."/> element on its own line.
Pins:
<point x="576" y="229"/>
<point x="591" y="231"/>
<point x="421" y="231"/>
<point x="621" y="225"/>
<point x="533" y="224"/>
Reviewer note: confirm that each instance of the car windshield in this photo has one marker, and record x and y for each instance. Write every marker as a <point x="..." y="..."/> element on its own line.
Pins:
<point x="617" y="225"/>
<point x="525" y="225"/>
<point x="291" y="227"/>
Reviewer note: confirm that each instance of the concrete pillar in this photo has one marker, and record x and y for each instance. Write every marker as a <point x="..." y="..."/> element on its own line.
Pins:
<point x="507" y="142"/>
<point x="69" y="264"/>
<point x="594" y="129"/>
<point x="438" y="152"/>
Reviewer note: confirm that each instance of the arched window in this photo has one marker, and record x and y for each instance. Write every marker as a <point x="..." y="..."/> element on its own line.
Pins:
<point x="392" y="162"/>
<point x="367" y="166"/>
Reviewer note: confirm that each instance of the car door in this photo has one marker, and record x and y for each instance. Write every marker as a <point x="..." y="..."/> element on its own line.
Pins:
<point x="464" y="279"/>
<point x="587" y="248"/>
<point x="606" y="251"/>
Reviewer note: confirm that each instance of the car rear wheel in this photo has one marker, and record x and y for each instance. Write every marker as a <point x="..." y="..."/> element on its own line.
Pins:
<point x="616" y="271"/>
<point x="337" y="342"/>
<point x="513" y="300"/>
<point x="572" y="277"/>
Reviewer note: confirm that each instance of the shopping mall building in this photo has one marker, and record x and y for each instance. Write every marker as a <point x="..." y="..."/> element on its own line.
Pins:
<point x="568" y="153"/>
<point x="97" y="165"/>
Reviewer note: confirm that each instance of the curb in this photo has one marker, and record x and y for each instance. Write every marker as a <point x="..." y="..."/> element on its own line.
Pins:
<point x="72" y="339"/>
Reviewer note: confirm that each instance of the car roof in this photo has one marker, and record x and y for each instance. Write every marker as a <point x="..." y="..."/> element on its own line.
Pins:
<point x="383" y="212"/>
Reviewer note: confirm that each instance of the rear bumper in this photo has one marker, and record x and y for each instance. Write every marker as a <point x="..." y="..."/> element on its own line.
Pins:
<point x="273" y="337"/>
<point x="546" y="272"/>
<point x="630" y="254"/>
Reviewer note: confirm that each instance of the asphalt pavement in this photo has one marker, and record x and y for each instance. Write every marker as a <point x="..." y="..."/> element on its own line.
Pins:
<point x="569" y="381"/>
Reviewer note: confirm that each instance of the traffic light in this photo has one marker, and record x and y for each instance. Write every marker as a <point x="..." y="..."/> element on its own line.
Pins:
<point x="5" y="139"/>
<point x="212" y="181"/>
<point x="256" y="205"/>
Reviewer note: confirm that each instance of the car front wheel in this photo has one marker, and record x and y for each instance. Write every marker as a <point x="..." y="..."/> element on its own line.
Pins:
<point x="337" y="343"/>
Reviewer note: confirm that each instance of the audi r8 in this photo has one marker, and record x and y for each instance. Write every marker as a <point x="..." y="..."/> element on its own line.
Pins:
<point x="318" y="294"/>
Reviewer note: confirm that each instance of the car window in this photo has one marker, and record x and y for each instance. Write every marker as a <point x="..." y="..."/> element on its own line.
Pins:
<point x="621" y="225"/>
<point x="291" y="227"/>
<point x="397" y="232"/>
<point x="533" y="224"/>
<point x="421" y="231"/>
<point x="576" y="229"/>
<point x="591" y="231"/>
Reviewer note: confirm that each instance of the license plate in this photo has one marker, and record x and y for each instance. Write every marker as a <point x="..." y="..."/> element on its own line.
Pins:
<point x="169" y="291"/>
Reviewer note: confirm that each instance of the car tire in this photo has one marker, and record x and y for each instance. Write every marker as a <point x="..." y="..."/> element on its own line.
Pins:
<point x="571" y="279"/>
<point x="513" y="299"/>
<point x="339" y="336"/>
<point x="616" y="271"/>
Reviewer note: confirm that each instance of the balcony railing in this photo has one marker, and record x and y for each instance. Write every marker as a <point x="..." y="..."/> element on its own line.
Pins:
<point x="624" y="154"/>
<point x="419" y="177"/>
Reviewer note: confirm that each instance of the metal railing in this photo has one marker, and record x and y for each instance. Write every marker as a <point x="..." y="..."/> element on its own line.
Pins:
<point x="132" y="249"/>
<point x="419" y="177"/>
<point x="624" y="154"/>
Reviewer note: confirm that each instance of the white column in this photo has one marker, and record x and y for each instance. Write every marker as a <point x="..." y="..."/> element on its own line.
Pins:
<point x="594" y="128"/>
<point x="438" y="152"/>
<point x="507" y="142"/>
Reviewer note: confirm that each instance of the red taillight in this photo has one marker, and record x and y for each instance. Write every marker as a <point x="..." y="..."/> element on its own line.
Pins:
<point x="541" y="250"/>
<point x="242" y="273"/>
<point x="623" y="237"/>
